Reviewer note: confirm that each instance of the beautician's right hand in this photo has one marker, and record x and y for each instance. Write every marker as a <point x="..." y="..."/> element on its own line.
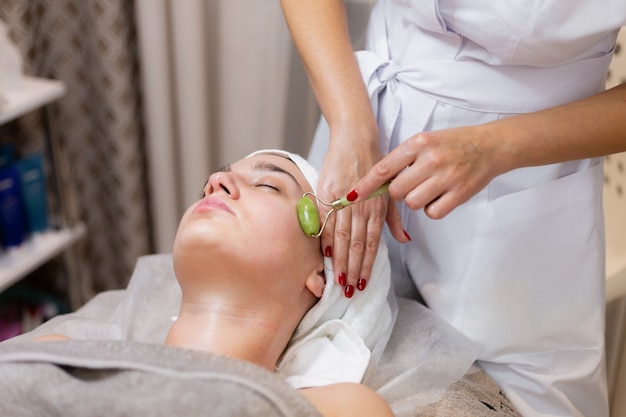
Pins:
<point x="439" y="170"/>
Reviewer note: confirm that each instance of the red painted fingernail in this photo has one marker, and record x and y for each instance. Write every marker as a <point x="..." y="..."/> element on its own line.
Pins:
<point x="349" y="291"/>
<point x="352" y="195"/>
<point x="328" y="252"/>
<point x="343" y="279"/>
<point x="407" y="235"/>
<point x="361" y="284"/>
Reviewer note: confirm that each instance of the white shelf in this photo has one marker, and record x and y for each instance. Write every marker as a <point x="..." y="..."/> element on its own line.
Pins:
<point x="37" y="92"/>
<point x="18" y="262"/>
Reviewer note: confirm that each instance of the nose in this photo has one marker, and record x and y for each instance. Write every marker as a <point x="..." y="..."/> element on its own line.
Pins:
<point x="223" y="182"/>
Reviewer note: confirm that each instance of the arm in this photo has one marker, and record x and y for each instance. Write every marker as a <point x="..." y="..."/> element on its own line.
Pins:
<point x="448" y="167"/>
<point x="320" y="31"/>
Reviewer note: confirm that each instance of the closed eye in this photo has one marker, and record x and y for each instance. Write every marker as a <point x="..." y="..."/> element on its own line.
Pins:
<point x="268" y="186"/>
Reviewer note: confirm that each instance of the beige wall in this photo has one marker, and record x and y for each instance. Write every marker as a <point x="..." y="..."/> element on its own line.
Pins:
<point x="616" y="310"/>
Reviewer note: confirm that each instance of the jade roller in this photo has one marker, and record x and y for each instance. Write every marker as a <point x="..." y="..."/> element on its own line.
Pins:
<point x="309" y="216"/>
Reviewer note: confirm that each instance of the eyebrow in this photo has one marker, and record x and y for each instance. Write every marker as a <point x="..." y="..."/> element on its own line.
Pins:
<point x="268" y="166"/>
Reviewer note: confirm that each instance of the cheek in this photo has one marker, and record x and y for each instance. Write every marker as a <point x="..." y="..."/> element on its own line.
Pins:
<point x="285" y="224"/>
<point x="278" y="228"/>
<point x="294" y="241"/>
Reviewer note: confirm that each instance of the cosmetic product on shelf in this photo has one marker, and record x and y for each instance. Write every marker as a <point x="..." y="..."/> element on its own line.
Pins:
<point x="33" y="189"/>
<point x="6" y="155"/>
<point x="12" y="225"/>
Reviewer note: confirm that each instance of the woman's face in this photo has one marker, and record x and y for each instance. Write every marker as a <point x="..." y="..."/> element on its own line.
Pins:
<point x="246" y="222"/>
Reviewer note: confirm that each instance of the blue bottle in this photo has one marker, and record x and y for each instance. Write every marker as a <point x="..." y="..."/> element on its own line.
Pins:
<point x="6" y="155"/>
<point x="33" y="190"/>
<point x="12" y="227"/>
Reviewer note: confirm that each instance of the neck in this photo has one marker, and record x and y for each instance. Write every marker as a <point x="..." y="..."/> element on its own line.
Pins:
<point x="230" y="330"/>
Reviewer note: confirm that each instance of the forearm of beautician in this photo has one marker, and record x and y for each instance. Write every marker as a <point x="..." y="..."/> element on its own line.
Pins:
<point x="595" y="126"/>
<point x="441" y="169"/>
<point x="320" y="32"/>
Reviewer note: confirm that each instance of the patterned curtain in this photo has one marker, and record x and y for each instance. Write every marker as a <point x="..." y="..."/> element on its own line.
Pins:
<point x="90" y="45"/>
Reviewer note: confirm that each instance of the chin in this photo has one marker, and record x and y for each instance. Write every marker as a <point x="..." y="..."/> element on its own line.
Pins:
<point x="200" y="237"/>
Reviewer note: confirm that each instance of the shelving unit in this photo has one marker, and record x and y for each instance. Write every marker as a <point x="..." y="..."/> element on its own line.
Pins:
<point x="37" y="92"/>
<point x="18" y="262"/>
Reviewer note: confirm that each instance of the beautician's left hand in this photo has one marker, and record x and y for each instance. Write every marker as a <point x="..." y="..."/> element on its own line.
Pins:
<point x="352" y="234"/>
<point x="438" y="170"/>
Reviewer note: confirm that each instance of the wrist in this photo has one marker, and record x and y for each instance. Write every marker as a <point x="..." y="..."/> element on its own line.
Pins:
<point x="357" y="138"/>
<point x="501" y="146"/>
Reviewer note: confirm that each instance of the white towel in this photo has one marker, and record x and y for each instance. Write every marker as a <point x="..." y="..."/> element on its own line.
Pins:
<point x="338" y="337"/>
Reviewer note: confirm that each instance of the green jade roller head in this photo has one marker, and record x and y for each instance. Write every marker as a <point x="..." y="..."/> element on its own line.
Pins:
<point x="309" y="216"/>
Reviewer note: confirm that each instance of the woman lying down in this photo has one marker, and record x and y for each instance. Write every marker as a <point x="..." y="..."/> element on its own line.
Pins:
<point x="248" y="275"/>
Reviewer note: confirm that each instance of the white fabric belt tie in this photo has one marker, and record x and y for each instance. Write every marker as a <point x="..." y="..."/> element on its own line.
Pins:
<point x="386" y="90"/>
<point x="380" y="74"/>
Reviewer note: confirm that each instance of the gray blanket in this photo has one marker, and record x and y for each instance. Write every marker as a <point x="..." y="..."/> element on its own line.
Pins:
<point x="421" y="372"/>
<point x="116" y="378"/>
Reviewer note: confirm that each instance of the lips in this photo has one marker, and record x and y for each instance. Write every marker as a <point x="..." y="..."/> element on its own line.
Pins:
<point x="211" y="203"/>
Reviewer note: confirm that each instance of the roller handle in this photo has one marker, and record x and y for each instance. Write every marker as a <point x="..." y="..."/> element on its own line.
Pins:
<point x="343" y="201"/>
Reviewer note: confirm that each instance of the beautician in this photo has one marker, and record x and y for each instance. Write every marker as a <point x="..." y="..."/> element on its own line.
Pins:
<point x="493" y="121"/>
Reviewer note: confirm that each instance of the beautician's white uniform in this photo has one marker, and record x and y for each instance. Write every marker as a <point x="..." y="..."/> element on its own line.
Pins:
<point x="520" y="267"/>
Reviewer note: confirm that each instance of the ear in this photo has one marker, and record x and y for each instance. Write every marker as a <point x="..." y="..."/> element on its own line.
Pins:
<point x="316" y="281"/>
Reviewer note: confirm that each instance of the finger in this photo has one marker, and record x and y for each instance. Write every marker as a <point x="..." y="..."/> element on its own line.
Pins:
<point x="407" y="181"/>
<point x="374" y="231"/>
<point x="341" y="242"/>
<point x="384" y="170"/>
<point x="442" y="206"/>
<point x="328" y="234"/>
<point x="360" y="217"/>
<point x="394" y="222"/>
<point x="422" y="195"/>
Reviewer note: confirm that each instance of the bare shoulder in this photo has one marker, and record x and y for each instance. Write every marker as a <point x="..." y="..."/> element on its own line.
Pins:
<point x="347" y="399"/>
<point x="51" y="338"/>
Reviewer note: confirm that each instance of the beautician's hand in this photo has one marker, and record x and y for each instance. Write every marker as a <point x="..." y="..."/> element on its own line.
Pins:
<point x="438" y="170"/>
<point x="352" y="234"/>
